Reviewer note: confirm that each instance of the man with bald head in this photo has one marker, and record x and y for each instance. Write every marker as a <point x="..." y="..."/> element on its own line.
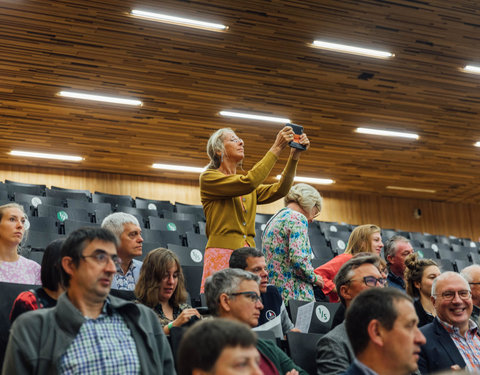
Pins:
<point x="452" y="338"/>
<point x="472" y="275"/>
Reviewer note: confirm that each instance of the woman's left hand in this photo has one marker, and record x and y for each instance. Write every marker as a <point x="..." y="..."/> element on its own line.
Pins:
<point x="295" y="152"/>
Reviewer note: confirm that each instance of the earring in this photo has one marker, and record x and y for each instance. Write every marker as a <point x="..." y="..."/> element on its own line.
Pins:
<point x="221" y="158"/>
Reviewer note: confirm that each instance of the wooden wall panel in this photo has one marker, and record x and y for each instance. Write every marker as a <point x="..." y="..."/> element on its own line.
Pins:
<point x="461" y="220"/>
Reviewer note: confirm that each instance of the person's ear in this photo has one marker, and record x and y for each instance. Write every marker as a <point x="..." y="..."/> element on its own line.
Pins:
<point x="376" y="332"/>
<point x="224" y="302"/>
<point x="68" y="265"/>
<point x="344" y="292"/>
<point x="416" y="284"/>
<point x="197" y="371"/>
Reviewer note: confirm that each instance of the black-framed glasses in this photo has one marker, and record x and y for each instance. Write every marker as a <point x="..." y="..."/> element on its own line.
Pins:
<point x="102" y="257"/>
<point x="252" y="296"/>
<point x="372" y="281"/>
<point x="449" y="295"/>
<point x="474" y="283"/>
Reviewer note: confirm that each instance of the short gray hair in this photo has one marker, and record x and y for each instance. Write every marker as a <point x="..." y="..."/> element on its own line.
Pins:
<point x="445" y="275"/>
<point x="467" y="272"/>
<point x="225" y="281"/>
<point x="215" y="145"/>
<point x="306" y="196"/>
<point x="114" y="222"/>
<point x="391" y="246"/>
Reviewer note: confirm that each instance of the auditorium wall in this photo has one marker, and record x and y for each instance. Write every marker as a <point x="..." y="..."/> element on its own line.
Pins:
<point x="461" y="220"/>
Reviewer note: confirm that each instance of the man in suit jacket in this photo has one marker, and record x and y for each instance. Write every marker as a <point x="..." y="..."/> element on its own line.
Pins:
<point x="334" y="352"/>
<point x="452" y="338"/>
<point x="382" y="327"/>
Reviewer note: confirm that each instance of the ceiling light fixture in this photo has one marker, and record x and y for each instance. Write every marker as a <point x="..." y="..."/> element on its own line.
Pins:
<point x="46" y="156"/>
<point x="311" y="180"/>
<point x="178" y="168"/>
<point x="352" y="49"/>
<point x="386" y="133"/>
<point x="411" y="189"/>
<point x="178" y="20"/>
<point x="252" y="116"/>
<point x="472" y="69"/>
<point x="477" y="144"/>
<point x="99" y="98"/>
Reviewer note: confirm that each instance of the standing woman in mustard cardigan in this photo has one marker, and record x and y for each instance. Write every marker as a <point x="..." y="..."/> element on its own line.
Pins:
<point x="230" y="200"/>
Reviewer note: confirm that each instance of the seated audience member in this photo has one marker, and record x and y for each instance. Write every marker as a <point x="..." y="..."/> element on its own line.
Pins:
<point x="452" y="338"/>
<point x="13" y="267"/>
<point x="218" y="347"/>
<point x="382" y="328"/>
<point x="397" y="249"/>
<point x="363" y="239"/>
<point x="287" y="247"/>
<point x="161" y="286"/>
<point x="52" y="287"/>
<point x="472" y="275"/>
<point x="129" y="234"/>
<point x="334" y="352"/>
<point x="88" y="331"/>
<point x="234" y="294"/>
<point x="419" y="276"/>
<point x="274" y="316"/>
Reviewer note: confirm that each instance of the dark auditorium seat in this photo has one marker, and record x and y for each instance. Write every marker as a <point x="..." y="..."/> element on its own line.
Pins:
<point x="180" y="226"/>
<point x="146" y="248"/>
<point x="193" y="280"/>
<point x="262" y="218"/>
<point x="423" y="237"/>
<point x="190" y="209"/>
<point x="43" y="224"/>
<point x="180" y="216"/>
<point x="344" y="234"/>
<point x="143" y="213"/>
<point x="437" y="246"/>
<point x="198" y="241"/>
<point x="152" y="204"/>
<point x="322" y="315"/>
<point x="58" y="193"/>
<point x="186" y="255"/>
<point x="162" y="237"/>
<point x="303" y="350"/>
<point x="20" y="187"/>
<point x="461" y="264"/>
<point x="114" y="199"/>
<point x="4" y="195"/>
<point x="72" y="225"/>
<point x="63" y="213"/>
<point x="89" y="206"/>
<point x="40" y="240"/>
<point x="36" y="200"/>
<point x="338" y="244"/>
<point x="427" y="254"/>
<point x="128" y="295"/>
<point x="445" y="265"/>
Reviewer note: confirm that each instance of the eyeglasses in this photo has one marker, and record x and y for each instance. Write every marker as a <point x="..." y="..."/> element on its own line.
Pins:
<point x="450" y="294"/>
<point x="252" y="296"/>
<point x="372" y="281"/>
<point x="102" y="257"/>
<point x="474" y="283"/>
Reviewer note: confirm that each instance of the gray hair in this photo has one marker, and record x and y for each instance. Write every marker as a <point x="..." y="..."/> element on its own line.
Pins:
<point x="227" y="282"/>
<point x="114" y="222"/>
<point x="391" y="246"/>
<point x="215" y="145"/>
<point x="306" y="196"/>
<point x="467" y="272"/>
<point x="346" y="271"/>
<point x="445" y="275"/>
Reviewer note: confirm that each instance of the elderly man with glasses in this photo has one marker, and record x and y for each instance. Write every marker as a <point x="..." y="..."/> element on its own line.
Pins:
<point x="452" y="338"/>
<point x="334" y="351"/>
<point x="234" y="294"/>
<point x="89" y="331"/>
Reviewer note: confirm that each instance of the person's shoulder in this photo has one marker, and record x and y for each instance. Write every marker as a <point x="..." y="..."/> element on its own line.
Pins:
<point x="33" y="319"/>
<point x="137" y="263"/>
<point x="28" y="263"/>
<point x="296" y="215"/>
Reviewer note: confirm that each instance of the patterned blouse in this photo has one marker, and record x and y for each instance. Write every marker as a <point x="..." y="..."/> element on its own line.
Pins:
<point x="288" y="255"/>
<point x="176" y="312"/>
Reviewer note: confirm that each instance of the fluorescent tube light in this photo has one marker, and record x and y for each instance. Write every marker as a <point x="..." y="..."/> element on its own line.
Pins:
<point x="318" y="181"/>
<point x="100" y="98"/>
<point x="254" y="117"/>
<point x="386" y="133"/>
<point x="411" y="189"/>
<point x="351" y="49"/>
<point x="472" y="69"/>
<point x="178" y="168"/>
<point x="46" y="156"/>
<point x="477" y="144"/>
<point x="178" y="20"/>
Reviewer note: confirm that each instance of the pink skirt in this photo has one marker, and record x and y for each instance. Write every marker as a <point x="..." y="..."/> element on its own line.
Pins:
<point x="215" y="259"/>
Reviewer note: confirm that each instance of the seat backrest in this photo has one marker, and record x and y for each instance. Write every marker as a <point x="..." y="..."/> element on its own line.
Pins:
<point x="186" y="255"/>
<point x="303" y="350"/>
<point x="65" y="194"/>
<point x="198" y="241"/>
<point x="63" y="213"/>
<point x="36" y="200"/>
<point x="20" y="187"/>
<point x="180" y="226"/>
<point x="113" y="199"/>
<point x="162" y="237"/>
<point x="322" y="316"/>
<point x="427" y="254"/>
<point x="152" y="204"/>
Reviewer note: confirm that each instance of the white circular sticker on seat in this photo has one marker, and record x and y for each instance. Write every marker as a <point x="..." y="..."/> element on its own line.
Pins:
<point x="434" y="247"/>
<point x="341" y="244"/>
<point x="36" y="201"/>
<point x="322" y="313"/>
<point x="196" y="255"/>
<point x="151" y="206"/>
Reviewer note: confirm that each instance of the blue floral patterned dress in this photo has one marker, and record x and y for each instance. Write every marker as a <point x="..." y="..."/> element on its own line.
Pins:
<point x="288" y="255"/>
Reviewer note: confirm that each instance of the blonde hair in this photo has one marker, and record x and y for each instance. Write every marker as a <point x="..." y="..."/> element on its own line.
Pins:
<point x="360" y="239"/>
<point x="305" y="196"/>
<point x="20" y="207"/>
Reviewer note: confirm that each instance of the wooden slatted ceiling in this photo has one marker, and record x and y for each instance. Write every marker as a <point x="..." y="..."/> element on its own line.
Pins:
<point x="263" y="63"/>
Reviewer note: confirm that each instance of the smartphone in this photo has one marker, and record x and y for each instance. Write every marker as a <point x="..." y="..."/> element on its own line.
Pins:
<point x="298" y="131"/>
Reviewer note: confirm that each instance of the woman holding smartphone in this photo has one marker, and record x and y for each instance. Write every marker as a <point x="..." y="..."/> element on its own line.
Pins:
<point x="230" y="199"/>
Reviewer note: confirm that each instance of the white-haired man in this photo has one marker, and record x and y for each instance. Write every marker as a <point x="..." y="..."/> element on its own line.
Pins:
<point x="127" y="229"/>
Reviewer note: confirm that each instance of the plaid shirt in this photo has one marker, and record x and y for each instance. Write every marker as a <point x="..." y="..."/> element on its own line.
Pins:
<point x="103" y="346"/>
<point x="468" y="345"/>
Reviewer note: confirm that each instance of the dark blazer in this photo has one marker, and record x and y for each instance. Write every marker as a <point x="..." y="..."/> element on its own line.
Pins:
<point x="440" y="352"/>
<point x="355" y="370"/>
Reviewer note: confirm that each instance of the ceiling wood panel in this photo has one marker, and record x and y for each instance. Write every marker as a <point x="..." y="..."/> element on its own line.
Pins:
<point x="263" y="63"/>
